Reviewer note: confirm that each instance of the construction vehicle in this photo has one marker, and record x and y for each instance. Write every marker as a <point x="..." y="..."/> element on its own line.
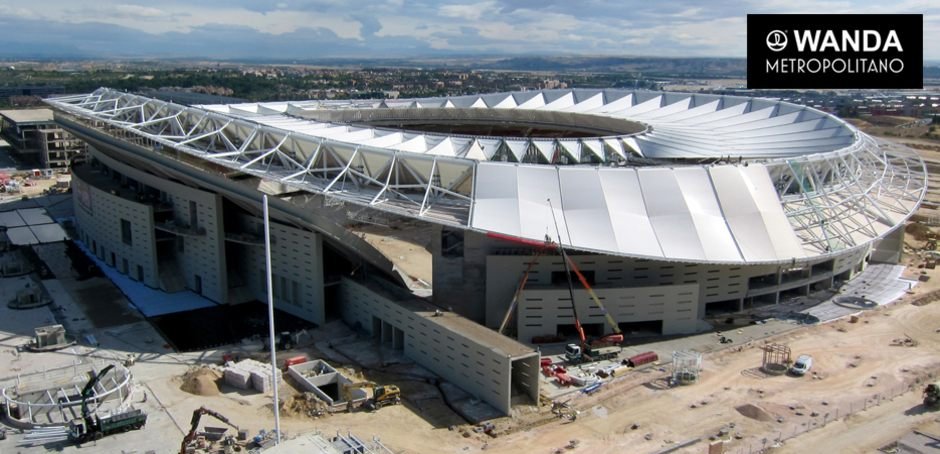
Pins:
<point x="615" y="338"/>
<point x="382" y="395"/>
<point x="932" y="396"/>
<point x="194" y="425"/>
<point x="92" y="427"/>
<point x="584" y="351"/>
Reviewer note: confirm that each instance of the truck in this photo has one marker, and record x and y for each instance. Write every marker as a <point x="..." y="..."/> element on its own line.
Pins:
<point x="93" y="427"/>
<point x="586" y="353"/>
<point x="932" y="396"/>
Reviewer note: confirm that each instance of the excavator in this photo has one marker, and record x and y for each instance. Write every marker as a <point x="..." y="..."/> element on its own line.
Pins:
<point x="381" y="395"/>
<point x="194" y="425"/>
<point x="91" y="426"/>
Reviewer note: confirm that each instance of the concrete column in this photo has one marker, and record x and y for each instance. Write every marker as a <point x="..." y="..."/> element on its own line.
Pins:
<point x="398" y="339"/>
<point x="387" y="332"/>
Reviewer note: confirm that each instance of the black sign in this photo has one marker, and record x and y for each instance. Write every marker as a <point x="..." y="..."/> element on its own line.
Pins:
<point x="835" y="51"/>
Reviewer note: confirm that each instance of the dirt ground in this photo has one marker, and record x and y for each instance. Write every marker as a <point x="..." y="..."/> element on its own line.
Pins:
<point x="853" y="361"/>
<point x="408" y="246"/>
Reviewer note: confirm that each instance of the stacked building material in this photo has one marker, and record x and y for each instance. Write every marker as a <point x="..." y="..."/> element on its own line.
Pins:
<point x="249" y="373"/>
<point x="238" y="378"/>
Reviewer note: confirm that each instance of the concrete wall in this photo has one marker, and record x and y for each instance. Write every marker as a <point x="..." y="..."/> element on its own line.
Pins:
<point x="458" y="277"/>
<point x="541" y="310"/>
<point x="476" y="368"/>
<point x="624" y="276"/>
<point x="98" y="215"/>
<point x="318" y="373"/>
<point x="202" y="256"/>
<point x="888" y="249"/>
<point x="296" y="266"/>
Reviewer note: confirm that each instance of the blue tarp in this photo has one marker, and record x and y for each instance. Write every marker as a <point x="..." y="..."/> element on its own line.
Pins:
<point x="151" y="302"/>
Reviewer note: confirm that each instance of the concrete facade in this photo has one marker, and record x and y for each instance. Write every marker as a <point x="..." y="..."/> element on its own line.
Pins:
<point x="191" y="254"/>
<point x="297" y="269"/>
<point x="542" y="310"/>
<point x="98" y="216"/>
<point x="179" y="240"/>
<point x="494" y="368"/>
<point x="475" y="268"/>
<point x="34" y="135"/>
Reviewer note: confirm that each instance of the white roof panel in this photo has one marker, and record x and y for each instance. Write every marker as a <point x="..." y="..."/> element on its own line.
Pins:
<point x="709" y="221"/>
<point x="496" y="199"/>
<point x="587" y="216"/>
<point x="628" y="216"/>
<point x="669" y="214"/>
<point x="537" y="184"/>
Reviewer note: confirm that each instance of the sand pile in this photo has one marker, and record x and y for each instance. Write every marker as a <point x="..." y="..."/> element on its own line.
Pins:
<point x="201" y="381"/>
<point x="754" y="412"/>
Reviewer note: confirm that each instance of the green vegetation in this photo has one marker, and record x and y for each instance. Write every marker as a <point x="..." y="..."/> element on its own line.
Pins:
<point x="273" y="83"/>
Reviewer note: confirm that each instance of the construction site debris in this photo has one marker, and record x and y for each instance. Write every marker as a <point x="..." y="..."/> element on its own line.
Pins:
<point x="906" y="341"/>
<point x="304" y="404"/>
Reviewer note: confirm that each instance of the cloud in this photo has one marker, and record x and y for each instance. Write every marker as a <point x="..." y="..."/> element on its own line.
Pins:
<point x="379" y="28"/>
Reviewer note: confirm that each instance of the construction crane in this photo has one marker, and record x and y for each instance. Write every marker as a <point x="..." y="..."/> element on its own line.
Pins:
<point x="582" y="352"/>
<point x="515" y="296"/>
<point x="194" y="424"/>
<point x="382" y="395"/>
<point x="615" y="338"/>
<point x="91" y="426"/>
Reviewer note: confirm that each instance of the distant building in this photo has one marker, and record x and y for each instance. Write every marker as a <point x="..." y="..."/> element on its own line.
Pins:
<point x="31" y="90"/>
<point x="190" y="98"/>
<point x="36" y="137"/>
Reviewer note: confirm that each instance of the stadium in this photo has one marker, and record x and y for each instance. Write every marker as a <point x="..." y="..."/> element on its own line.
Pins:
<point x="672" y="205"/>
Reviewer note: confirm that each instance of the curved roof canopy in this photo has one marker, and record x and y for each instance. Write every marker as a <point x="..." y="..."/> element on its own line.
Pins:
<point x="670" y="176"/>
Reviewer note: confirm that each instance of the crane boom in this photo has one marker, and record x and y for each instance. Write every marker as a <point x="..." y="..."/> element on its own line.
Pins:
<point x="570" y="266"/>
<point x="584" y="282"/>
<point x="564" y="261"/>
<point x="89" y="388"/>
<point x="194" y="424"/>
<point x="515" y="297"/>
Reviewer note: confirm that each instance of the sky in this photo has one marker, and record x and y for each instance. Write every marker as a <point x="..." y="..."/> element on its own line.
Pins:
<point x="310" y="29"/>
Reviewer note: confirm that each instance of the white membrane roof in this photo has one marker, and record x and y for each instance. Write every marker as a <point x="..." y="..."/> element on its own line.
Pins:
<point x="688" y="177"/>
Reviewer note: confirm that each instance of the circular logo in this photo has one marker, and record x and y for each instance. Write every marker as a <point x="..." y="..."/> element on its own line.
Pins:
<point x="776" y="40"/>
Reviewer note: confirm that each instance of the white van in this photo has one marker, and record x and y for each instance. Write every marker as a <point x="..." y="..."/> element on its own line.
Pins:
<point x="802" y="365"/>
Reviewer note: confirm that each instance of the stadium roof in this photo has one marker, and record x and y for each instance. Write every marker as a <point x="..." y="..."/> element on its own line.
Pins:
<point x="698" y="178"/>
<point x="679" y="125"/>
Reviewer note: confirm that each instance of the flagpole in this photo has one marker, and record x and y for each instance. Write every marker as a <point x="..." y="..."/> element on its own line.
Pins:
<point x="267" y="267"/>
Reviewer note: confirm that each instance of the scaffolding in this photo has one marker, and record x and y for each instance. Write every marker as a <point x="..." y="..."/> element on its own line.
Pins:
<point x="686" y="367"/>
<point x="53" y="398"/>
<point x="776" y="359"/>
